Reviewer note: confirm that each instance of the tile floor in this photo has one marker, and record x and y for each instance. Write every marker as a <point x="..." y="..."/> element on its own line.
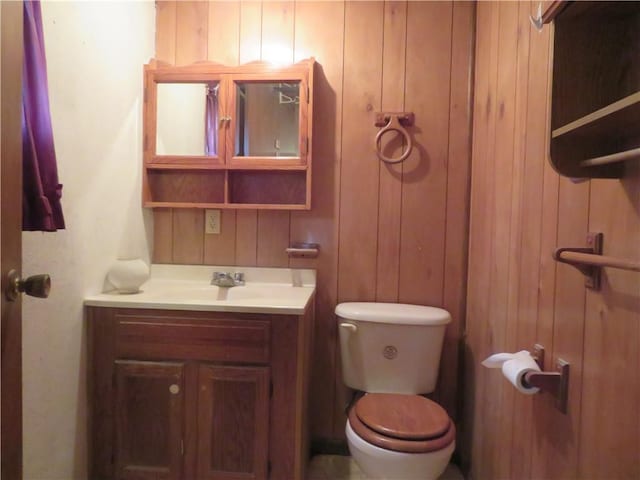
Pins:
<point x="338" y="467"/>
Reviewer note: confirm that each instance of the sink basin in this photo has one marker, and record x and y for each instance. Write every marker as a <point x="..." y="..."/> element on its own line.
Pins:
<point x="187" y="287"/>
<point x="194" y="291"/>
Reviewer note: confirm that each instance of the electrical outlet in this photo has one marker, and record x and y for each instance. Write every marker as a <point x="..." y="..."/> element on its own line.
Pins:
<point x="212" y="221"/>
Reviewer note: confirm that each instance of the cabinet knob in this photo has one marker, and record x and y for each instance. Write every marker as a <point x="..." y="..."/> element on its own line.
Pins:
<point x="175" y="389"/>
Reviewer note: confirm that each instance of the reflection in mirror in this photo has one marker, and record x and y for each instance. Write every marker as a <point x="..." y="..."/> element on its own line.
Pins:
<point x="187" y="119"/>
<point x="267" y="119"/>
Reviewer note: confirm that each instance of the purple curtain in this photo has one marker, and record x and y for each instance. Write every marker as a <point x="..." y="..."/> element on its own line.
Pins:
<point x="41" y="209"/>
<point x="211" y="121"/>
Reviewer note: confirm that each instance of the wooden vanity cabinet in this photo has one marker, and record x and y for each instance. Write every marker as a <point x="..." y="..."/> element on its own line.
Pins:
<point x="206" y="395"/>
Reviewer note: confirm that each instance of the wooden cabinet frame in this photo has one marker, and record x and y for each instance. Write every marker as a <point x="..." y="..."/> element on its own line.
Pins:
<point x="269" y="353"/>
<point x="596" y="88"/>
<point x="225" y="180"/>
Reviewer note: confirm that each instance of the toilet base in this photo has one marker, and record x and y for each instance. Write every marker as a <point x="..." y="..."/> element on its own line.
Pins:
<point x="380" y="464"/>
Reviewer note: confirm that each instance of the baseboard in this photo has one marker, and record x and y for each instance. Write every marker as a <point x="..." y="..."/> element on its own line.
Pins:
<point x="329" y="446"/>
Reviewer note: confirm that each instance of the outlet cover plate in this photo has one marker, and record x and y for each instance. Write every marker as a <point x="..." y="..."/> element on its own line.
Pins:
<point x="212" y="222"/>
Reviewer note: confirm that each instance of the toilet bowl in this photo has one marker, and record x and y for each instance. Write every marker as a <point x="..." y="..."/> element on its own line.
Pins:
<point x="395" y="436"/>
<point x="391" y="352"/>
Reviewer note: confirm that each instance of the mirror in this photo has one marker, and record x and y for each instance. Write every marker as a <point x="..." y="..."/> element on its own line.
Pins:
<point x="267" y="119"/>
<point x="182" y="127"/>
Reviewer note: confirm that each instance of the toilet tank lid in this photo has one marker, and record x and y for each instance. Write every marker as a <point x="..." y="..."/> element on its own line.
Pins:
<point x="398" y="313"/>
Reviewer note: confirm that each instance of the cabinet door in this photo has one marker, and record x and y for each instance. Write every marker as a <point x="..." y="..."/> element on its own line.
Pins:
<point x="149" y="420"/>
<point x="268" y="120"/>
<point x="233" y="422"/>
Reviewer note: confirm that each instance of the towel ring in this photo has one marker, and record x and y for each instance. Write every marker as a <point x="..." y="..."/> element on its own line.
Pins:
<point x="394" y="123"/>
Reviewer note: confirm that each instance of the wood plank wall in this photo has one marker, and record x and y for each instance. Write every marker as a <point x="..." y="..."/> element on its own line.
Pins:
<point x="518" y="296"/>
<point x="386" y="233"/>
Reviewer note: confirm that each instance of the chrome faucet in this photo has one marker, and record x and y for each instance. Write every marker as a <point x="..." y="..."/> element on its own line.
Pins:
<point x="227" y="279"/>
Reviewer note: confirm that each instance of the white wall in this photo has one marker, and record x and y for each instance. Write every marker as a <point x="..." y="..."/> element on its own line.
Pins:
<point x="95" y="52"/>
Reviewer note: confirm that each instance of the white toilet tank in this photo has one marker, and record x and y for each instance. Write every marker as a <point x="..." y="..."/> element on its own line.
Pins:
<point x="391" y="347"/>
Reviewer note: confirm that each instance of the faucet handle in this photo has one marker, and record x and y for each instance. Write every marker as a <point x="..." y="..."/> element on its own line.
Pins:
<point x="238" y="278"/>
<point x="220" y="277"/>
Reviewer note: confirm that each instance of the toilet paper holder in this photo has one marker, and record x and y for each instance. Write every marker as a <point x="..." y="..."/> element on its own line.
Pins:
<point x="556" y="383"/>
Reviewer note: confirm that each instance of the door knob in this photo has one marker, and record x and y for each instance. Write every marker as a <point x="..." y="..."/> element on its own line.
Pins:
<point x="35" y="286"/>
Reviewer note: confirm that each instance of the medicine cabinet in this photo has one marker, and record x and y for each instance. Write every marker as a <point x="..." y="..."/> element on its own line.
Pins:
<point x="220" y="136"/>
<point x="596" y="87"/>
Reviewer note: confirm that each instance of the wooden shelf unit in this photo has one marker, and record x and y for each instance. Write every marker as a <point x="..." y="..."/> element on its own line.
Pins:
<point x="226" y="179"/>
<point x="596" y="87"/>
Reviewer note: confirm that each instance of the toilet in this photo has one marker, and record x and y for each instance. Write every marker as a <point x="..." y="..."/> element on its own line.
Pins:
<point x="391" y="354"/>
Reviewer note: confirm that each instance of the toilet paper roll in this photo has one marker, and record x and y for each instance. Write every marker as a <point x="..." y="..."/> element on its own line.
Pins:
<point x="515" y="369"/>
<point x="497" y="359"/>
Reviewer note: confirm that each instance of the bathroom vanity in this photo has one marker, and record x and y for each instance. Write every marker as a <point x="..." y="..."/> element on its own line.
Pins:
<point x="189" y="380"/>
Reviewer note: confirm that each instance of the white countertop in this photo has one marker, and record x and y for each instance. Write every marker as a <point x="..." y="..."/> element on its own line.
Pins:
<point x="187" y="287"/>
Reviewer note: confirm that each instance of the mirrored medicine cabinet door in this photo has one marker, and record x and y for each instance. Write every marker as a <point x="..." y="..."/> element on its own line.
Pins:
<point x="267" y="117"/>
<point x="187" y="118"/>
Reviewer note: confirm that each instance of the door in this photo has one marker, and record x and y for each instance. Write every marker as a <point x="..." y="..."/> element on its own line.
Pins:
<point x="149" y="420"/>
<point x="11" y="236"/>
<point x="233" y="423"/>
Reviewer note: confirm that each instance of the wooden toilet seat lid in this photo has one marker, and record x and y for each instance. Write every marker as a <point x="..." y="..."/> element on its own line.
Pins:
<point x="425" y="429"/>
<point x="408" y="417"/>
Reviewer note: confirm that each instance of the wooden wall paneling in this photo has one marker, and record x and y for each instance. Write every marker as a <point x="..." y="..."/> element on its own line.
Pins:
<point x="547" y="266"/>
<point x="277" y="44"/>
<point x="424" y="173"/>
<point x="192" y="25"/>
<point x="505" y="191"/>
<point x="611" y="381"/>
<point x="273" y="238"/>
<point x="597" y="332"/>
<point x="546" y="308"/>
<point x="360" y="167"/>
<point x="477" y="241"/>
<point x="188" y="244"/>
<point x="457" y="213"/>
<point x="390" y="183"/>
<point x="223" y="39"/>
<point x="478" y="433"/>
<point x="162" y="235"/>
<point x="250" y="31"/>
<point x="221" y="249"/>
<point x="534" y="156"/>
<point x="250" y="50"/>
<point x="166" y="51"/>
<point x="246" y="237"/>
<point x="223" y="46"/>
<point x="320" y="225"/>
<point x="166" y="30"/>
<point x="359" y="171"/>
<point x="519" y="26"/>
<point x="559" y="453"/>
<point x="191" y="46"/>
